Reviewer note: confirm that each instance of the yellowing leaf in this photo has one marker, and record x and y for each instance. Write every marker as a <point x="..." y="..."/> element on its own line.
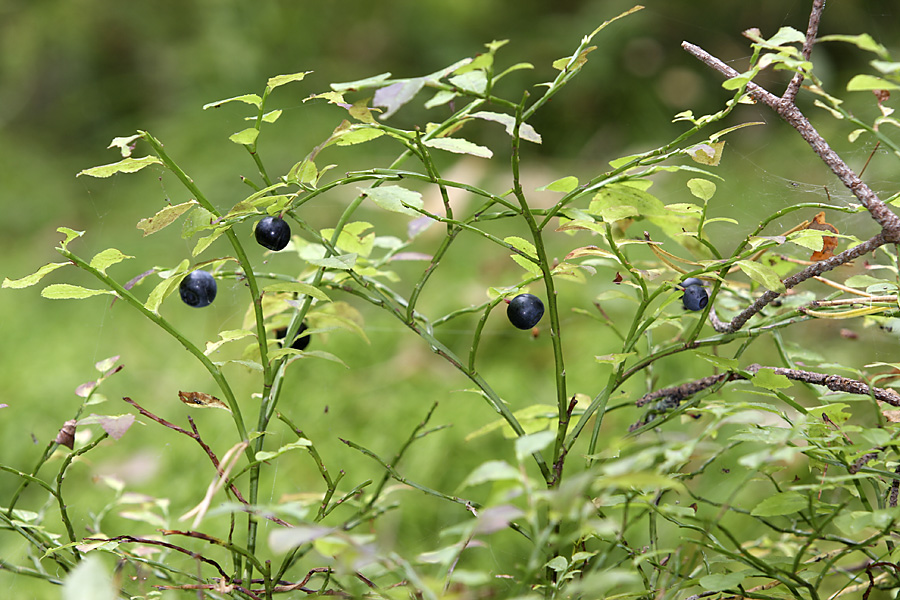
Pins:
<point x="707" y="154"/>
<point x="128" y="165"/>
<point x="164" y="218"/>
<point x="616" y="202"/>
<point x="65" y="291"/>
<point x="245" y="137"/>
<point x="279" y="80"/>
<point x="32" y="279"/>
<point x="107" y="258"/>
<point x="202" y="400"/>
<point x="246" y="98"/>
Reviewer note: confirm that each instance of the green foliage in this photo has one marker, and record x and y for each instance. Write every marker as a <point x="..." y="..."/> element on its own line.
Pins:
<point x="736" y="482"/>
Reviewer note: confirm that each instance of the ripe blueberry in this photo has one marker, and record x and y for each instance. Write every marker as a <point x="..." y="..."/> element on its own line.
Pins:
<point x="198" y="289"/>
<point x="689" y="282"/>
<point x="695" y="297"/>
<point x="273" y="233"/>
<point x="525" y="310"/>
<point x="300" y="342"/>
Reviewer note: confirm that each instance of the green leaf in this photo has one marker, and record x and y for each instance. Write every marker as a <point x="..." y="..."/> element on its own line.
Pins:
<point x="616" y="202"/>
<point x="864" y="83"/>
<point x="769" y="380"/>
<point x="702" y="188"/>
<point x="472" y="81"/>
<point x="341" y="262"/>
<point x="356" y="134"/>
<point x="246" y="98"/>
<point x="70" y="234"/>
<point x="440" y="98"/>
<point x="522" y="245"/>
<point x="863" y="281"/>
<point x="127" y="165"/>
<point x="721" y="581"/>
<point x="107" y="258"/>
<point x="279" y="80"/>
<point x="564" y="185"/>
<point x="89" y="580"/>
<point x="352" y="86"/>
<point x="613" y="359"/>
<point x="246" y="137"/>
<point x="356" y="237"/>
<point x="459" y="146"/>
<point x="299" y="288"/>
<point x="762" y="274"/>
<point x="303" y="172"/>
<point x="65" y="291"/>
<point x="863" y="41"/>
<point x="526" y="131"/>
<point x="533" y="443"/>
<point x="166" y="286"/>
<point x="784" y="503"/>
<point x="722" y="362"/>
<point x="32" y="279"/>
<point x="225" y="337"/>
<point x="299" y="444"/>
<point x="492" y="470"/>
<point x="395" y="199"/>
<point x="164" y="218"/>
<point x="810" y="239"/>
<point x="196" y="221"/>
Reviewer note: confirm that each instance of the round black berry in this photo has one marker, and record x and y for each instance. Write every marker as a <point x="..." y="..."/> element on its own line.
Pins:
<point x="695" y="297"/>
<point x="273" y="233"/>
<point x="198" y="289"/>
<point x="689" y="282"/>
<point x="525" y="310"/>
<point x="300" y="342"/>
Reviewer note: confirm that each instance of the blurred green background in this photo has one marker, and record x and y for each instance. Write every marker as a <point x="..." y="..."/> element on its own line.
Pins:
<point x="73" y="75"/>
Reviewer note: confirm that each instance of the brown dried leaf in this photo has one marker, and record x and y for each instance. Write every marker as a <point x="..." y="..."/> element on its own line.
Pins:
<point x="202" y="400"/>
<point x="829" y="243"/>
<point x="892" y="416"/>
<point x="66" y="435"/>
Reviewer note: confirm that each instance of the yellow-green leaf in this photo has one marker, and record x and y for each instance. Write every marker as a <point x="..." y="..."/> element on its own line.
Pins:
<point x="65" y="291"/>
<point x="299" y="288"/>
<point x="763" y="275"/>
<point x="278" y="80"/>
<point x="32" y="279"/>
<point x="702" y="188"/>
<point x="459" y="146"/>
<point x="164" y="217"/>
<point x="245" y="137"/>
<point x="107" y="258"/>
<point x="246" y="98"/>
<point x="564" y="185"/>
<point x="127" y="165"/>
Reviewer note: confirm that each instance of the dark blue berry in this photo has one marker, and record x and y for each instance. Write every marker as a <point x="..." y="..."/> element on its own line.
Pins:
<point x="273" y="233"/>
<point x="695" y="297"/>
<point x="198" y="289"/>
<point x="525" y="310"/>
<point x="300" y="342"/>
<point x="689" y="282"/>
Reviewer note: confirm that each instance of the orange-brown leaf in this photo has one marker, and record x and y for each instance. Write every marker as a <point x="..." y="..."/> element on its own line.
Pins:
<point x="829" y="243"/>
